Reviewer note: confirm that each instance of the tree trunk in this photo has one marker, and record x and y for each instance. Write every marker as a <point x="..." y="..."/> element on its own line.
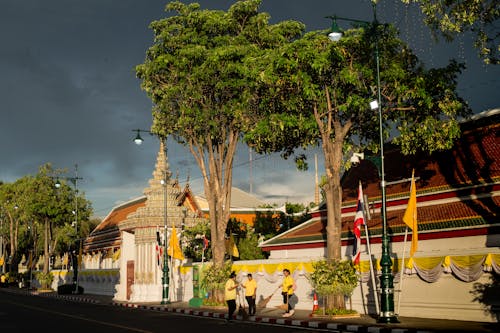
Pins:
<point x="217" y="179"/>
<point x="333" y="194"/>
<point x="333" y="134"/>
<point x="46" y="247"/>
<point x="12" y="243"/>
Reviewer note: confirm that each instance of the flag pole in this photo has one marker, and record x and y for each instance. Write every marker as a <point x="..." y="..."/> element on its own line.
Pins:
<point x="361" y="218"/>
<point x="203" y="252"/>
<point x="410" y="219"/>
<point x="172" y="261"/>
<point x="372" y="273"/>
<point x="368" y="246"/>
<point x="401" y="272"/>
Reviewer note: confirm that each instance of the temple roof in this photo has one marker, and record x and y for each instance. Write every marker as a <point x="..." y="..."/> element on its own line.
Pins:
<point x="119" y="213"/>
<point x="239" y="199"/>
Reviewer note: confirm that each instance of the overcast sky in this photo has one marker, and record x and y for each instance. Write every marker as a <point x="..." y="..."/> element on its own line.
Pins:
<point x="69" y="95"/>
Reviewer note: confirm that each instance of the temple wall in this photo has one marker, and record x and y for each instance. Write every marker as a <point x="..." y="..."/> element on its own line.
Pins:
<point x="446" y="298"/>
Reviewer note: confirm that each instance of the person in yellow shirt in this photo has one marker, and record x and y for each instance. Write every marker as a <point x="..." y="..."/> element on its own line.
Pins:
<point x="250" y="293"/>
<point x="287" y="290"/>
<point x="230" y="295"/>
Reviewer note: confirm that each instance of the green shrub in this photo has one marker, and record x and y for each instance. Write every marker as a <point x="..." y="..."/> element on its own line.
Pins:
<point x="333" y="277"/>
<point x="45" y="279"/>
<point x="334" y="312"/>
<point x="213" y="279"/>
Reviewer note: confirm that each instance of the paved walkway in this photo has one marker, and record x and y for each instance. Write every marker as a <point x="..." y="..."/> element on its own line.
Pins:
<point x="301" y="318"/>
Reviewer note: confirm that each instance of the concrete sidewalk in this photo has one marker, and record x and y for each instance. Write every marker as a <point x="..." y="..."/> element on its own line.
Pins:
<point x="301" y="318"/>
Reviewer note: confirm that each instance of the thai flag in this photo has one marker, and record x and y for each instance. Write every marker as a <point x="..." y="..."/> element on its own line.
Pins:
<point x="359" y="220"/>
<point x="159" y="248"/>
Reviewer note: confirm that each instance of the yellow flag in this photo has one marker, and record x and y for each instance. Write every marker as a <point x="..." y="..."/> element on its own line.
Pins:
<point x="116" y="255"/>
<point x="174" y="249"/>
<point x="231" y="248"/>
<point x="410" y="217"/>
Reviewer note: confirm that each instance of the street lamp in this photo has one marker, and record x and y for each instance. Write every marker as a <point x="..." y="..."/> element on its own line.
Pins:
<point x="164" y="182"/>
<point x="387" y="314"/>
<point x="74" y="181"/>
<point x="138" y="140"/>
<point x="165" y="278"/>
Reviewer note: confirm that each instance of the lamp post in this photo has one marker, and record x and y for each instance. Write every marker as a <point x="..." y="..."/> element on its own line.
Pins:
<point x="387" y="314"/>
<point x="138" y="140"/>
<point x="74" y="257"/>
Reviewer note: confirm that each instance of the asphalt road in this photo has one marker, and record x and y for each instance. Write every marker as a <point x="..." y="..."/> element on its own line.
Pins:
<point x="21" y="313"/>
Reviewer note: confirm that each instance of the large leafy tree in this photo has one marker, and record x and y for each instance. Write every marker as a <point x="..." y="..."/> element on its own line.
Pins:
<point x="199" y="74"/>
<point x="54" y="209"/>
<point x="34" y="212"/>
<point x="317" y="92"/>
<point x="454" y="17"/>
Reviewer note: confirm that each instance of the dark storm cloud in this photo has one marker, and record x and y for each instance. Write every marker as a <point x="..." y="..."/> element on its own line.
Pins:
<point x="68" y="91"/>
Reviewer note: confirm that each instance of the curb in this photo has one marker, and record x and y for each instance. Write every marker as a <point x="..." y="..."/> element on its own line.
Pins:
<point x="275" y="321"/>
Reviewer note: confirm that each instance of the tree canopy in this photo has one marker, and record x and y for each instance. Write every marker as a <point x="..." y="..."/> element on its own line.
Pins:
<point x="317" y="92"/>
<point x="200" y="74"/>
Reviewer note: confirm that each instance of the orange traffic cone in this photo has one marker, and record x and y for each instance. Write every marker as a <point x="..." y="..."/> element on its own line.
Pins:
<point x="315" y="303"/>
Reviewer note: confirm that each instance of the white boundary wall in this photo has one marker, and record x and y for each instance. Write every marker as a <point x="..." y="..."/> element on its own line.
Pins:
<point x="447" y="298"/>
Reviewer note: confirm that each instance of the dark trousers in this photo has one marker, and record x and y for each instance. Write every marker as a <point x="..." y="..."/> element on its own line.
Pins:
<point x="286" y="300"/>
<point x="231" y="307"/>
<point x="251" y="305"/>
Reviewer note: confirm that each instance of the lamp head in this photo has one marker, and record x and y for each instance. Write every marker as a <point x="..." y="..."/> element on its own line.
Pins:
<point x="138" y="140"/>
<point x="374" y="105"/>
<point x="336" y="33"/>
<point x="57" y="184"/>
<point x="357" y="157"/>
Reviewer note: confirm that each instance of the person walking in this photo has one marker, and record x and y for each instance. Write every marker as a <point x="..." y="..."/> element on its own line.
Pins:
<point x="230" y="295"/>
<point x="250" y="293"/>
<point x="287" y="290"/>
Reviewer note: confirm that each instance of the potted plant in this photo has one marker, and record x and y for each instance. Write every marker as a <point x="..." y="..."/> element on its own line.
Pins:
<point x="331" y="278"/>
<point x="213" y="280"/>
<point x="45" y="280"/>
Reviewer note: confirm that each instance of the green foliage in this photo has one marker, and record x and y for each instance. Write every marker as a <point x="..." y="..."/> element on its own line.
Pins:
<point x="248" y="247"/>
<point x="192" y="237"/>
<point x="317" y="92"/>
<point x="200" y="75"/>
<point x="333" y="277"/>
<point x="292" y="208"/>
<point x="271" y="223"/>
<point x="268" y="223"/>
<point x="334" y="312"/>
<point x="45" y="279"/>
<point x="213" y="279"/>
<point x="33" y="201"/>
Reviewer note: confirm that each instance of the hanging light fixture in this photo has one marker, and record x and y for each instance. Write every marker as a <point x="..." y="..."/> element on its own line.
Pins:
<point x="138" y="139"/>
<point x="336" y="34"/>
